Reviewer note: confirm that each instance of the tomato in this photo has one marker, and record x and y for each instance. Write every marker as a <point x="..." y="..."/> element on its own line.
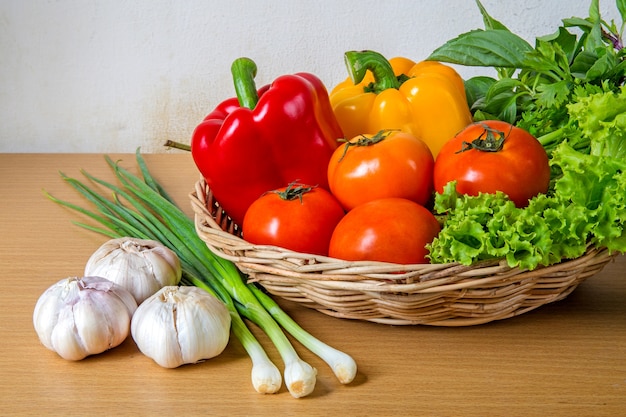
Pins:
<point x="297" y="217"/>
<point x="515" y="162"/>
<point x="393" y="230"/>
<point x="388" y="164"/>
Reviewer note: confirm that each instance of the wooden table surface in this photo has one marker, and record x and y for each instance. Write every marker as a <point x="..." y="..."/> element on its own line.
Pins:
<point x="566" y="358"/>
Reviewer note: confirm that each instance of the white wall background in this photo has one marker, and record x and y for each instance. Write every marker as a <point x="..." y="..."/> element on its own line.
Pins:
<point x="109" y="76"/>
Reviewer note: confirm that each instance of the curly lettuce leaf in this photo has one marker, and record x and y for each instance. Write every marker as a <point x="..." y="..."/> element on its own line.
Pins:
<point x="568" y="91"/>
<point x="596" y="183"/>
<point x="489" y="226"/>
<point x="601" y="117"/>
<point x="588" y="206"/>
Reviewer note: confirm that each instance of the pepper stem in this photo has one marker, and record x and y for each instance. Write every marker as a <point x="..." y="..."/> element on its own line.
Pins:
<point x="359" y="62"/>
<point x="177" y="145"/>
<point x="244" y="71"/>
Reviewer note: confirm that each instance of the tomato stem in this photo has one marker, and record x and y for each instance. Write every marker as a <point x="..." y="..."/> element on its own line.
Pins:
<point x="364" y="140"/>
<point x="490" y="140"/>
<point x="294" y="190"/>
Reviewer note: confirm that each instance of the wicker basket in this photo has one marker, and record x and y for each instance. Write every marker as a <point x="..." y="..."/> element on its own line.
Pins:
<point x="431" y="294"/>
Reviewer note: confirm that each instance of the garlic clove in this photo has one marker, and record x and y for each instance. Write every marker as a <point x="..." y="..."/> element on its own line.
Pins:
<point x="46" y="314"/>
<point x="195" y="315"/>
<point x="153" y="332"/>
<point x="78" y="317"/>
<point x="181" y="325"/>
<point x="65" y="339"/>
<point x="141" y="266"/>
<point x="98" y="323"/>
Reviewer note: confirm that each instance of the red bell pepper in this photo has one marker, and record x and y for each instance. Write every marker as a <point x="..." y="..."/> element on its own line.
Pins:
<point x="263" y="140"/>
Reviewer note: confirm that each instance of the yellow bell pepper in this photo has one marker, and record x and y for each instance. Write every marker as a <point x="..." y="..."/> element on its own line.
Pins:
<point x="426" y="99"/>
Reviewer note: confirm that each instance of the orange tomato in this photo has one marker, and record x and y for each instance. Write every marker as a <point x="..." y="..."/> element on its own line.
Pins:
<point x="390" y="163"/>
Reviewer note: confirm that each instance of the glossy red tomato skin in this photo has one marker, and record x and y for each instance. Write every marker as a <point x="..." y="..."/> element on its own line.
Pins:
<point x="401" y="165"/>
<point x="521" y="169"/>
<point x="392" y="230"/>
<point x="302" y="226"/>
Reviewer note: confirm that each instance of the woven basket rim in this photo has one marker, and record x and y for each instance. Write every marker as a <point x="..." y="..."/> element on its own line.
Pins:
<point x="450" y="294"/>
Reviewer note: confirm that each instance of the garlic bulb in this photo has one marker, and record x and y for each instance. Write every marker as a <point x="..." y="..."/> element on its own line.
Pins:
<point x="180" y="325"/>
<point x="78" y="317"/>
<point x="139" y="265"/>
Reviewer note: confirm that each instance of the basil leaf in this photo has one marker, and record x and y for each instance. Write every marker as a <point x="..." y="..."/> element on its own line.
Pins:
<point x="621" y="6"/>
<point x="566" y="40"/>
<point x="490" y="22"/>
<point x="503" y="107"/>
<point x="477" y="87"/>
<point x="484" y="48"/>
<point x="594" y="39"/>
<point x="582" y="63"/>
<point x="601" y="67"/>
<point x="578" y="22"/>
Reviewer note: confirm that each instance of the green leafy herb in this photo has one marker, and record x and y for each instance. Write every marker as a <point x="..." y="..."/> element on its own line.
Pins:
<point x="537" y="79"/>
<point x="568" y="91"/>
<point x="587" y="205"/>
<point x="484" y="48"/>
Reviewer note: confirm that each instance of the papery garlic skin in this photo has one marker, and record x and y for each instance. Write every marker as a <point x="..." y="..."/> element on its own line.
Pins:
<point x="78" y="317"/>
<point x="141" y="266"/>
<point x="181" y="325"/>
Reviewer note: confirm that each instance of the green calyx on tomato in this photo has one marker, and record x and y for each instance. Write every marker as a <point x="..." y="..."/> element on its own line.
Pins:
<point x="520" y="168"/>
<point x="489" y="140"/>
<point x="364" y="140"/>
<point x="298" y="217"/>
<point x="390" y="163"/>
<point x="294" y="190"/>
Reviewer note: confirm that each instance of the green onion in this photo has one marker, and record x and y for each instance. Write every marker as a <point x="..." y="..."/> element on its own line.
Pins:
<point x="141" y="208"/>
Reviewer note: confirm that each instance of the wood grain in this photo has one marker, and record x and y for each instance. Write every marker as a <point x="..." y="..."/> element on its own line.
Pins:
<point x="566" y="358"/>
